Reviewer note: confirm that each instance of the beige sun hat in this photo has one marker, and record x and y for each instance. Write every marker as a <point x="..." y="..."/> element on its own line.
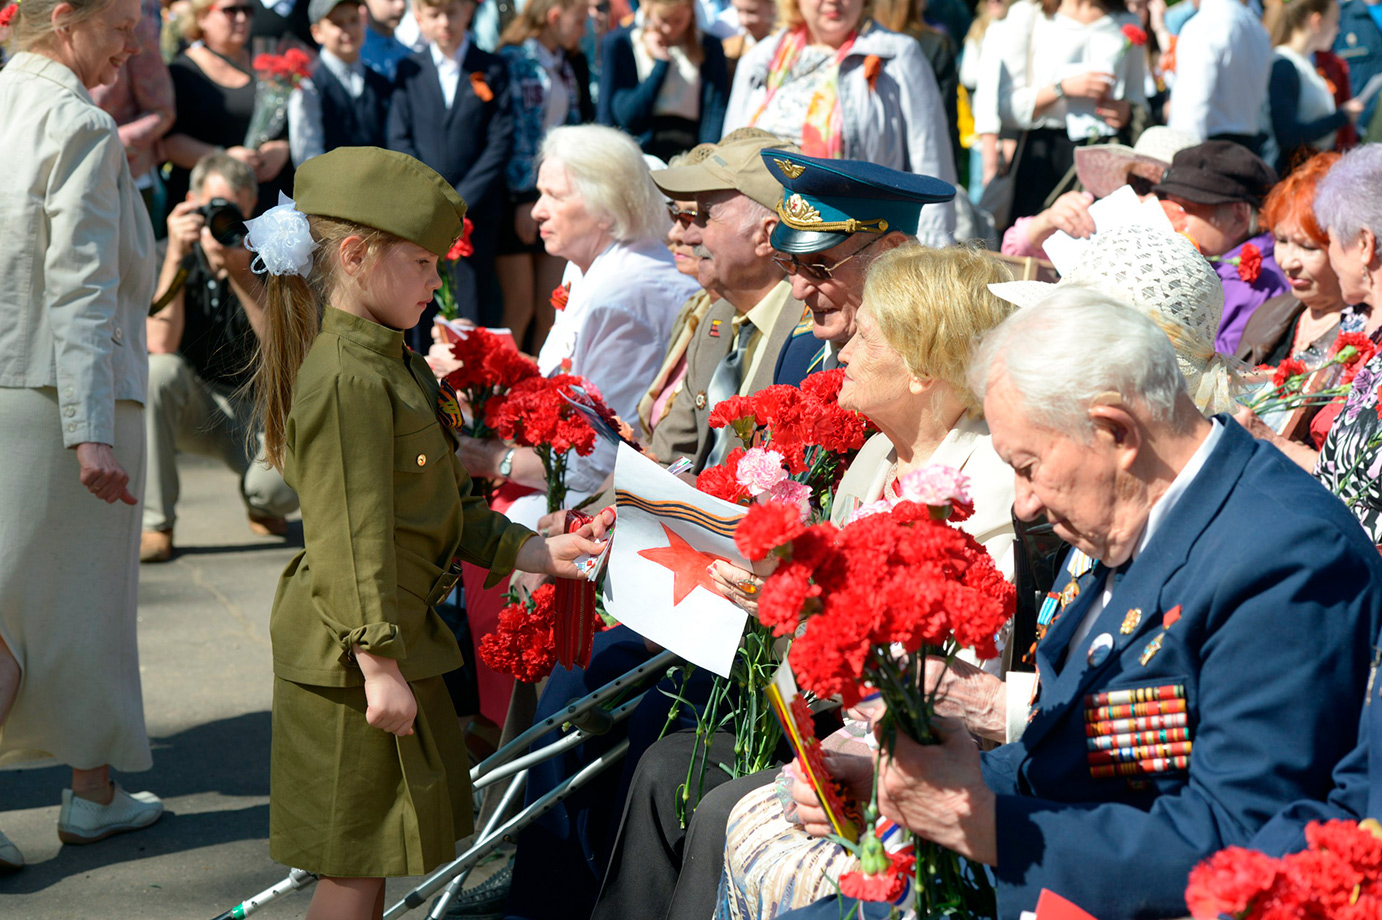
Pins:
<point x="1163" y="276"/>
<point x="1103" y="168"/>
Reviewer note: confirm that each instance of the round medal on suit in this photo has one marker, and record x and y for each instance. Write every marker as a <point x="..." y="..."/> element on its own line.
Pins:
<point x="1099" y="649"/>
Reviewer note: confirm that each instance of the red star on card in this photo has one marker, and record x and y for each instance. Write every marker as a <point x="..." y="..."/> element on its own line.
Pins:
<point x="687" y="564"/>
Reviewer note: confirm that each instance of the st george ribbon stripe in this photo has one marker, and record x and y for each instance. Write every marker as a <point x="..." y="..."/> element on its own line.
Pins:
<point x="680" y="511"/>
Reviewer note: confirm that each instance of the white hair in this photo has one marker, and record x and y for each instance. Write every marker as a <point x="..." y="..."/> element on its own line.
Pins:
<point x="608" y="171"/>
<point x="1343" y="206"/>
<point x="1078" y="344"/>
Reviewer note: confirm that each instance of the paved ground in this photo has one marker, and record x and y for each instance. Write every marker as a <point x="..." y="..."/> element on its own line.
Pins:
<point x="204" y="653"/>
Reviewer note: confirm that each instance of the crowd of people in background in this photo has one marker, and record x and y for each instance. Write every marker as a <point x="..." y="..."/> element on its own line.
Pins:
<point x="684" y="201"/>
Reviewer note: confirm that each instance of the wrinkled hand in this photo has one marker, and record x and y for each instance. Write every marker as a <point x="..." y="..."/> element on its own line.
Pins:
<point x="970" y="694"/>
<point x="1069" y="212"/>
<point x="1256" y="427"/>
<point x="102" y="474"/>
<point x="853" y="770"/>
<point x="553" y="523"/>
<point x="938" y="791"/>
<point x="1092" y="85"/>
<point x="525" y="583"/>
<point x="389" y="702"/>
<point x="737" y="585"/>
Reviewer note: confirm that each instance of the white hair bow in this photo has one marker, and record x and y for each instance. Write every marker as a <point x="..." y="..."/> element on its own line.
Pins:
<point x="282" y="239"/>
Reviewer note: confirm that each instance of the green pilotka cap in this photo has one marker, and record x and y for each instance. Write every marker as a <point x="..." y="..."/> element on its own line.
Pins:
<point x="384" y="189"/>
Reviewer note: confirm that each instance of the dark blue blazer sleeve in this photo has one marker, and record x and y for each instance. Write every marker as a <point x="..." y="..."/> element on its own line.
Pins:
<point x="485" y="178"/>
<point x="714" y="90"/>
<point x="1291" y="132"/>
<point x="1282" y="647"/>
<point x="624" y="101"/>
<point x="399" y="133"/>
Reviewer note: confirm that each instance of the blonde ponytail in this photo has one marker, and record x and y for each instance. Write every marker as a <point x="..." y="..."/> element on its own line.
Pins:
<point x="292" y="317"/>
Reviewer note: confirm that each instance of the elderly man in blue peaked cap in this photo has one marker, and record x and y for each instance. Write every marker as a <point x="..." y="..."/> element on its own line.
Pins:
<point x="835" y="218"/>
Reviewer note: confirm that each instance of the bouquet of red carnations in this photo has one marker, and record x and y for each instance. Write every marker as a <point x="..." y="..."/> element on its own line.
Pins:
<point x="1338" y="875"/>
<point x="1290" y="378"/>
<point x="276" y="76"/>
<point x="490" y="366"/>
<point x="537" y="412"/>
<point x="797" y="444"/>
<point x="868" y="604"/>
<point x="524" y="643"/>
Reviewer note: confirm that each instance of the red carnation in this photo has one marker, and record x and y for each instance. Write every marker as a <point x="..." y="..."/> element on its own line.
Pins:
<point x="766" y="527"/>
<point x="1287" y="369"/>
<point x="1229" y="882"/>
<point x="462" y="248"/>
<point x="888" y="885"/>
<point x="1134" y="35"/>
<point x="523" y="645"/>
<point x="7" y="15"/>
<point x="1249" y="263"/>
<point x="721" y="482"/>
<point x="732" y="409"/>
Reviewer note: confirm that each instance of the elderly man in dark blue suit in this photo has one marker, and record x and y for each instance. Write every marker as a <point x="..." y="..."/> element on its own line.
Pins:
<point x="1202" y="659"/>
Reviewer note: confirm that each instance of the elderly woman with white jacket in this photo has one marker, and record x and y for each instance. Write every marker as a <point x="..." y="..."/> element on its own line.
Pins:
<point x="76" y="280"/>
<point x="840" y="85"/>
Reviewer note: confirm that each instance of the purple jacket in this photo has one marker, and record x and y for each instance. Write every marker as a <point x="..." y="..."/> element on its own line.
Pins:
<point x="1242" y="299"/>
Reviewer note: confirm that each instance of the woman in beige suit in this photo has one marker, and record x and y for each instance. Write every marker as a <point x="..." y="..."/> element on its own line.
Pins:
<point x="76" y="280"/>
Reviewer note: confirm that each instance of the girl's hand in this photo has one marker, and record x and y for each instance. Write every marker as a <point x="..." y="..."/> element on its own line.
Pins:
<point x="389" y="702"/>
<point x="102" y="474"/>
<point x="557" y="555"/>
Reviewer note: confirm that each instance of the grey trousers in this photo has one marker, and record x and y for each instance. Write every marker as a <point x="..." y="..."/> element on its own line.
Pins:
<point x="186" y="413"/>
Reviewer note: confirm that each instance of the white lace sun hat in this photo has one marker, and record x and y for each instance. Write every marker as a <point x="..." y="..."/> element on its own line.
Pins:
<point x="1164" y="277"/>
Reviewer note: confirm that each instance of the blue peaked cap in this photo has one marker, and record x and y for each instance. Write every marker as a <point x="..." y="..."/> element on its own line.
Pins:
<point x="824" y="201"/>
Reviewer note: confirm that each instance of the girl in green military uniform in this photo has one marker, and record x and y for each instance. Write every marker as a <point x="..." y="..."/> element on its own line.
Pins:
<point x="369" y="773"/>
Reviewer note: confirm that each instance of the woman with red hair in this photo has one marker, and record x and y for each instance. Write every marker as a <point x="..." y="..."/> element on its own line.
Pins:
<point x="1303" y="322"/>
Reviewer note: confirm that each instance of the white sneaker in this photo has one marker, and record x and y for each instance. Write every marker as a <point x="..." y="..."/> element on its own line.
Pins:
<point x="11" y="860"/>
<point x="83" y="821"/>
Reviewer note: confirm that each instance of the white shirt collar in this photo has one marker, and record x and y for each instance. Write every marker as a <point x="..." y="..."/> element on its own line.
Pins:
<point x="1178" y="485"/>
<point x="339" y="68"/>
<point x="442" y="61"/>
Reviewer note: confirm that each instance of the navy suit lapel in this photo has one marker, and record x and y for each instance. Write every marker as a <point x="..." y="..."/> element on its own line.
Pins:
<point x="465" y="94"/>
<point x="432" y="81"/>
<point x="1141" y="589"/>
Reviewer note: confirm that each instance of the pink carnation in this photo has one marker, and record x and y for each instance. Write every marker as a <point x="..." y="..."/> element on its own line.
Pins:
<point x="936" y="486"/>
<point x="882" y="506"/>
<point x="760" y="470"/>
<point x="793" y="493"/>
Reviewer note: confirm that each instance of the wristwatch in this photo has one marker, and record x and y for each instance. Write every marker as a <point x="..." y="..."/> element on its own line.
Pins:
<point x="506" y="465"/>
<point x="1059" y="89"/>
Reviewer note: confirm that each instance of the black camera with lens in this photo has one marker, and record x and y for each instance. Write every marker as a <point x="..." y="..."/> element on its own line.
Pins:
<point x="224" y="220"/>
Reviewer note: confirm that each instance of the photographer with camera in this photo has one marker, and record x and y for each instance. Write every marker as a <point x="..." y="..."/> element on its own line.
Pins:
<point x="202" y="330"/>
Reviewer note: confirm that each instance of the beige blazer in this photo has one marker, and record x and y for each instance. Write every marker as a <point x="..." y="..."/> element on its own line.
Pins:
<point x="685" y="432"/>
<point x="967" y="448"/>
<point x="77" y="271"/>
